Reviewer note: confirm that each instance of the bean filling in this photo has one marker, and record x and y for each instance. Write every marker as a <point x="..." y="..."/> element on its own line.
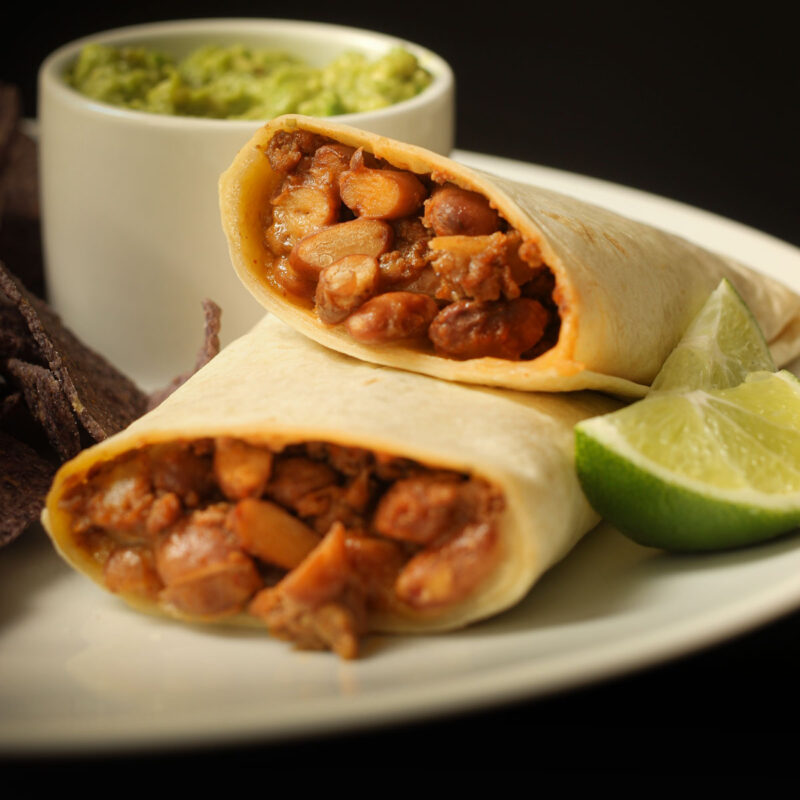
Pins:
<point x="308" y="539"/>
<point x="395" y="256"/>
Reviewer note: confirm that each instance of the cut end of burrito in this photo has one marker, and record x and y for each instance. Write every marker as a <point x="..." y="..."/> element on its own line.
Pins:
<point x="314" y="540"/>
<point x="323" y="498"/>
<point x="399" y="256"/>
<point x="387" y="253"/>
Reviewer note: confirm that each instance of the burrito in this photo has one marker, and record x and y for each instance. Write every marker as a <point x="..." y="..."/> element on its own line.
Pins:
<point x="402" y="257"/>
<point x="291" y="487"/>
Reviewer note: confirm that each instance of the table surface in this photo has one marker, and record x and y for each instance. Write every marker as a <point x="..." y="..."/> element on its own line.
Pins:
<point x="691" y="107"/>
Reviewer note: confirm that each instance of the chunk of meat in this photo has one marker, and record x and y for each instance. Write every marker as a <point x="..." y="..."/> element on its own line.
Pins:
<point x="500" y="329"/>
<point x="349" y="461"/>
<point x="324" y="602"/>
<point x="392" y="317"/>
<point x="479" y="267"/>
<point x="185" y="470"/>
<point x="443" y="575"/>
<point x="452" y="211"/>
<point x="294" y="477"/>
<point x="241" y="469"/>
<point x="204" y="571"/>
<point x="314" y="606"/>
<point x="345" y="504"/>
<point x="410" y="255"/>
<point x="286" y="149"/>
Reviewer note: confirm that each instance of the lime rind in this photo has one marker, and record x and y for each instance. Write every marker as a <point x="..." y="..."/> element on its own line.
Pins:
<point x="705" y="470"/>
<point x="671" y="516"/>
<point x="710" y="459"/>
<point x="721" y="346"/>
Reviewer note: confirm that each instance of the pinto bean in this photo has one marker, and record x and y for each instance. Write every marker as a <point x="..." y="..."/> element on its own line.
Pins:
<point x="452" y="211"/>
<point x="443" y="575"/>
<point x="241" y="469"/>
<point x="204" y="571"/>
<point x="269" y="532"/>
<point x="392" y="317"/>
<point x="330" y="161"/>
<point x="501" y="329"/>
<point x="344" y="286"/>
<point x="300" y="210"/>
<point x="376" y="563"/>
<point x="370" y="237"/>
<point x="424" y="509"/>
<point x="381" y="193"/>
<point x="284" y="276"/>
<point x="121" y="499"/>
<point x="131" y="570"/>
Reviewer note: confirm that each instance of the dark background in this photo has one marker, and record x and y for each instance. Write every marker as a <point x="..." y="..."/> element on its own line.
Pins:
<point x="696" y="105"/>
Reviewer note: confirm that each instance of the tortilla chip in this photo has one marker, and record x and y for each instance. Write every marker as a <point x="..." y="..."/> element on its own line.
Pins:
<point x="103" y="399"/>
<point x="48" y="406"/>
<point x="24" y="480"/>
<point x="57" y="396"/>
<point x="15" y="338"/>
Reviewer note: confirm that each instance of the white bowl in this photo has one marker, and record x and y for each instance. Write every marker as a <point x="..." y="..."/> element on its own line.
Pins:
<point x="131" y="227"/>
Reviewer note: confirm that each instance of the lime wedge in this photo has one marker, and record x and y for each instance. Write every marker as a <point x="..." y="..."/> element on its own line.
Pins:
<point x="720" y="348"/>
<point x="703" y="470"/>
<point x="710" y="459"/>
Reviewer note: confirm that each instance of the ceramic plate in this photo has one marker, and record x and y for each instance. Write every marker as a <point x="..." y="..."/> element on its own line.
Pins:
<point x="80" y="671"/>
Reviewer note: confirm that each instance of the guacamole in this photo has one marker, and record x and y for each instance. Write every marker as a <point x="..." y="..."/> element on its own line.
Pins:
<point x="237" y="82"/>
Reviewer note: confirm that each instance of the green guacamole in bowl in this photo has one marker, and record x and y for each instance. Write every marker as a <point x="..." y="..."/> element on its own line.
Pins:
<point x="238" y="82"/>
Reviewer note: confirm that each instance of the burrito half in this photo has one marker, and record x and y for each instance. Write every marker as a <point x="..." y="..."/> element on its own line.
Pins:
<point x="288" y="486"/>
<point x="402" y="257"/>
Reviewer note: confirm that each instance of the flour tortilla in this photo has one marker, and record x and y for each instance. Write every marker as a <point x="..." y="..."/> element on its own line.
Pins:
<point x="277" y="387"/>
<point x="626" y="291"/>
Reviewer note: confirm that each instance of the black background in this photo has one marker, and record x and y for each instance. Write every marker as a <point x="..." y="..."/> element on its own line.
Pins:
<point x="697" y="105"/>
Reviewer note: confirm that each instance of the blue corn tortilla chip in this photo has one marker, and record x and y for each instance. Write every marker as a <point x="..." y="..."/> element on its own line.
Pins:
<point x="101" y="397"/>
<point x="47" y="405"/>
<point x="24" y="480"/>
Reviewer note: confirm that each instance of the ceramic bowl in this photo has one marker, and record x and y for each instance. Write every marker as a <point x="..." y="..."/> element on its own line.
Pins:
<point x="132" y="235"/>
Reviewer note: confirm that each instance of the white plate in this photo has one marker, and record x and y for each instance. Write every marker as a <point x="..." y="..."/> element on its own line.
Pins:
<point x="80" y="671"/>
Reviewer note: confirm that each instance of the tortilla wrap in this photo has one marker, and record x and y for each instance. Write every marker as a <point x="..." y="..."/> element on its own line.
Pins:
<point x="274" y="386"/>
<point x="625" y="291"/>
